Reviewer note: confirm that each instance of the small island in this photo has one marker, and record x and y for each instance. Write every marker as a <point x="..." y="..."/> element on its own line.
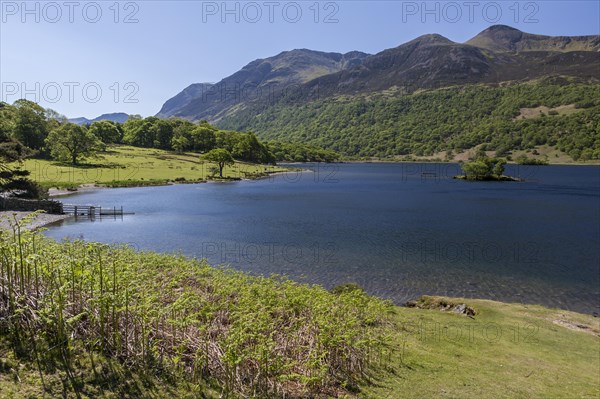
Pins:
<point x="484" y="168"/>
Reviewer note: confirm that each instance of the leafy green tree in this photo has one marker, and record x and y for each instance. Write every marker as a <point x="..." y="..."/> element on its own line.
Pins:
<point x="249" y="149"/>
<point x="107" y="131"/>
<point x="7" y="121"/>
<point x="71" y="143"/>
<point x="137" y="132"/>
<point x="30" y="128"/>
<point x="476" y="170"/>
<point x="179" y="144"/>
<point x="162" y="132"/>
<point x="484" y="168"/>
<point x="221" y="157"/>
<point x="51" y="114"/>
<point x="203" y="138"/>
<point x="182" y="129"/>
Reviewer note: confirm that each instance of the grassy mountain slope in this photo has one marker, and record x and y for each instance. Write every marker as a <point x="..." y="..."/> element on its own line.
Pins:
<point x="390" y="124"/>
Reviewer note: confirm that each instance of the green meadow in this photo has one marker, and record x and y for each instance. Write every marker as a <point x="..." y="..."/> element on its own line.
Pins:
<point x="134" y="166"/>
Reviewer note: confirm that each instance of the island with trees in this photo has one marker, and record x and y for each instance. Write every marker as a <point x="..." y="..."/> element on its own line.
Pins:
<point x="484" y="168"/>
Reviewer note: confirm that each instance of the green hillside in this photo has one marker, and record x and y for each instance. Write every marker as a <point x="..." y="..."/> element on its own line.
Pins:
<point x="391" y="125"/>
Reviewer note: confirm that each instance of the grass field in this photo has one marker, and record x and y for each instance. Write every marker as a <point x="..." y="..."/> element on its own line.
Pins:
<point x="130" y="166"/>
<point x="505" y="351"/>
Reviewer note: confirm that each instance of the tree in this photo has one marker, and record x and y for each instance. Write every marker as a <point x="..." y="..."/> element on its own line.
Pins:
<point x="162" y="132"/>
<point x="484" y="168"/>
<point x="71" y="142"/>
<point x="14" y="180"/>
<point x="221" y="157"/>
<point x="203" y="138"/>
<point x="52" y="114"/>
<point x="179" y="144"/>
<point x="249" y="149"/>
<point x="7" y="121"/>
<point x="137" y="132"/>
<point x="182" y="134"/>
<point x="106" y="131"/>
<point x="31" y="127"/>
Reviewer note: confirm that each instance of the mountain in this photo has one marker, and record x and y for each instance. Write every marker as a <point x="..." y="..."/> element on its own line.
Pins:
<point x="262" y="79"/>
<point x="119" y="117"/>
<point x="502" y="38"/>
<point x="427" y="61"/>
<point x="433" y="61"/>
<point x="496" y="55"/>
<point x="504" y="89"/>
<point x="182" y="99"/>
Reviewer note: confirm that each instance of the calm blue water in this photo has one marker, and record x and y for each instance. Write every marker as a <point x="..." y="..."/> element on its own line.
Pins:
<point x="383" y="226"/>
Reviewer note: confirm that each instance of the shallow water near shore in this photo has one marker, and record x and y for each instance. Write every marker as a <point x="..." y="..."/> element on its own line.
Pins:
<point x="398" y="230"/>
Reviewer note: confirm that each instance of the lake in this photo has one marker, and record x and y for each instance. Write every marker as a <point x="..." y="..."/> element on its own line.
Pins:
<point x="397" y="230"/>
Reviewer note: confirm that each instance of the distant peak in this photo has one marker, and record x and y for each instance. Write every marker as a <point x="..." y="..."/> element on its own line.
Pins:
<point x="498" y="38"/>
<point x="500" y="32"/>
<point x="504" y="38"/>
<point x="499" y="28"/>
<point x="432" y="38"/>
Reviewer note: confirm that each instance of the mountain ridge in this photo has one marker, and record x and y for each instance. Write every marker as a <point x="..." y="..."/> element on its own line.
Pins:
<point x="497" y="54"/>
<point x="260" y="78"/>
<point x="119" y="117"/>
<point x="507" y="39"/>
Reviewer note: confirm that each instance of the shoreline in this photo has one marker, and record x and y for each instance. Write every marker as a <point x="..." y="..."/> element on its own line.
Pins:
<point x="39" y="221"/>
<point x="57" y="193"/>
<point x="44" y="219"/>
<point x="54" y="192"/>
<point x="441" y="161"/>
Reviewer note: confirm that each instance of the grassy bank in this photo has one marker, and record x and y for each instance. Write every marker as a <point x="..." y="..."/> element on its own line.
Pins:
<point x="504" y="351"/>
<point x="90" y="320"/>
<point x="123" y="166"/>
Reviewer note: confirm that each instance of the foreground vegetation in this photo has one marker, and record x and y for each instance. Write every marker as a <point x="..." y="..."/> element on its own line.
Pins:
<point x="83" y="320"/>
<point x="170" y="316"/>
<point x="451" y="120"/>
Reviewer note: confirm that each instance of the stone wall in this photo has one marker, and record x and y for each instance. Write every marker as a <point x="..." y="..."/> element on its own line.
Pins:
<point x="26" y="205"/>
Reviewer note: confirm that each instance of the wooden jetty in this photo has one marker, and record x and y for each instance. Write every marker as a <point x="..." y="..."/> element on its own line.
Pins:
<point x="93" y="211"/>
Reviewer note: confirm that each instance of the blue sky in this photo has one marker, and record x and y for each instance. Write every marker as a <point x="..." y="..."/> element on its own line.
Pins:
<point x="86" y="58"/>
